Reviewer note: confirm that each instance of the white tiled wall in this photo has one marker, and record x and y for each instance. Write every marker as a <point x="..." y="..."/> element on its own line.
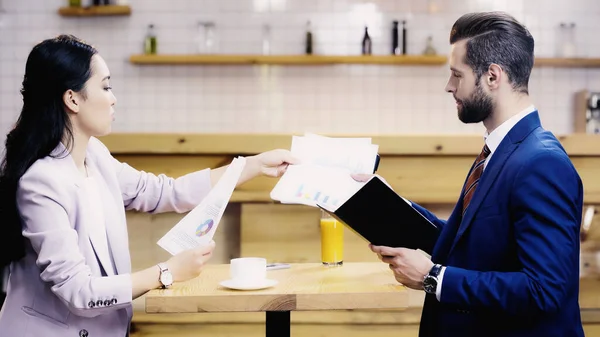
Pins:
<point x="327" y="99"/>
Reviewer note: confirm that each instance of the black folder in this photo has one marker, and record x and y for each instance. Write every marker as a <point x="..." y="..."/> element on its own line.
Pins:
<point x="383" y="218"/>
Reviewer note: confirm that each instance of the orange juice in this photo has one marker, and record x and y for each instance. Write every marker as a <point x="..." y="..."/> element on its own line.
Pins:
<point x="332" y="241"/>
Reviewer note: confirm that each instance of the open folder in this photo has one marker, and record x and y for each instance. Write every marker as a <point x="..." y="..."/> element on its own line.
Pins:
<point x="383" y="218"/>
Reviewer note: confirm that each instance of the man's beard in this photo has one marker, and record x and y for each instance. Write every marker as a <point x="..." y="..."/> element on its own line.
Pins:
<point x="476" y="108"/>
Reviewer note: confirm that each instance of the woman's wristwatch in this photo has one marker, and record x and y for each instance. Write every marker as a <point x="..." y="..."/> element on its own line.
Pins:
<point x="165" y="278"/>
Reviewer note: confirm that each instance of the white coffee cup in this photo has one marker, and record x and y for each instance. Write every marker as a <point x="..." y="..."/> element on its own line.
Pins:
<point x="248" y="269"/>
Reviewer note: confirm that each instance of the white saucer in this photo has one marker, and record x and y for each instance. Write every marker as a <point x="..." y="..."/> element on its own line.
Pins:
<point x="241" y="285"/>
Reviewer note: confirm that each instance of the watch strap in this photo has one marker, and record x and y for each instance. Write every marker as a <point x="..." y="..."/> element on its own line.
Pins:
<point x="435" y="270"/>
<point x="162" y="267"/>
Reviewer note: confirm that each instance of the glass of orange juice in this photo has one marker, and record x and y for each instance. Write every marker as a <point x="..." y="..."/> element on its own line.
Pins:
<point x="332" y="240"/>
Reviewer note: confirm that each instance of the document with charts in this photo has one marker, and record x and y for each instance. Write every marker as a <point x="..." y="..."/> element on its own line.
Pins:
<point x="324" y="174"/>
<point x="198" y="227"/>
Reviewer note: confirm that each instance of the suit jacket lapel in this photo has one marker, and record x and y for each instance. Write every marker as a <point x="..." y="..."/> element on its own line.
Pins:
<point x="487" y="180"/>
<point x="446" y="238"/>
<point x="508" y="145"/>
<point x="442" y="246"/>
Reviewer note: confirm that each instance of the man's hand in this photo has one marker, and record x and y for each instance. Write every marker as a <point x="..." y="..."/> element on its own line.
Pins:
<point x="361" y="177"/>
<point x="409" y="265"/>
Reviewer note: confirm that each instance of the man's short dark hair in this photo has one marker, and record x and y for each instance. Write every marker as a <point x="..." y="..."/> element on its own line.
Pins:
<point x="496" y="37"/>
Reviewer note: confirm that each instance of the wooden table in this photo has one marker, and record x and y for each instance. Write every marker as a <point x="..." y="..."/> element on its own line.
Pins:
<point x="306" y="286"/>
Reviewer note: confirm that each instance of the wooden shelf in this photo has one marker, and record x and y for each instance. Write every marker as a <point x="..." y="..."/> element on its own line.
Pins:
<point x="576" y="144"/>
<point x="567" y="62"/>
<point x="199" y="59"/>
<point x="95" y="11"/>
<point x="286" y="59"/>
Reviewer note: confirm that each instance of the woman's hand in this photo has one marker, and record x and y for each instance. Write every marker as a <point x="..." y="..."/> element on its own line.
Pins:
<point x="189" y="263"/>
<point x="273" y="163"/>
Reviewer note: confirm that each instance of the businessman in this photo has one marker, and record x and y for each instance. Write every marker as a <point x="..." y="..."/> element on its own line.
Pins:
<point x="506" y="262"/>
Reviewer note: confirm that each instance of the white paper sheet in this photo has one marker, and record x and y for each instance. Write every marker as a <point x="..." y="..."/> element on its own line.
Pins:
<point x="357" y="155"/>
<point x="324" y="175"/>
<point x="198" y="227"/>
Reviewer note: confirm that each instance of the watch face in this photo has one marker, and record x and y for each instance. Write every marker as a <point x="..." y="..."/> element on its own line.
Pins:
<point x="430" y="284"/>
<point x="166" y="278"/>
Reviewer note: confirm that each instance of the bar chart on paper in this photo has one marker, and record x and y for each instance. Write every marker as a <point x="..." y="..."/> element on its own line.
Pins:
<point x="315" y="195"/>
<point x="311" y="185"/>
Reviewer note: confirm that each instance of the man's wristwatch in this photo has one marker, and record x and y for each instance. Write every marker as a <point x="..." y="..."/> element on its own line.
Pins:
<point x="430" y="281"/>
<point x="166" y="278"/>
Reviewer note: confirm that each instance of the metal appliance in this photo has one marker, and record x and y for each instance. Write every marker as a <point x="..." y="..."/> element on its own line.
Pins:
<point x="587" y="112"/>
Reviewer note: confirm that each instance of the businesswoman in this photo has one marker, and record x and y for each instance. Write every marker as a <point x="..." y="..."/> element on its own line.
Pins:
<point x="63" y="201"/>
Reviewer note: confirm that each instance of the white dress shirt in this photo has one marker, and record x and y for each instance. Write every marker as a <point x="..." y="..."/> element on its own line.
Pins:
<point x="492" y="140"/>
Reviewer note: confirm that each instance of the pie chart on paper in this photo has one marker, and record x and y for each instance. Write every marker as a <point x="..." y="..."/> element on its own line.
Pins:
<point x="204" y="228"/>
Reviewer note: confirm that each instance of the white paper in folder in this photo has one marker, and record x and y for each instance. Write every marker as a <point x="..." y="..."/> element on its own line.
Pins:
<point x="198" y="227"/>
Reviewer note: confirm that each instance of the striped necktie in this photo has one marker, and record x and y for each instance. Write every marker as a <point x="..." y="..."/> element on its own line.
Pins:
<point x="474" y="177"/>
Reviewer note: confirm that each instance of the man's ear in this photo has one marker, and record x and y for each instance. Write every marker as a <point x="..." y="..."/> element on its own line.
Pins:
<point x="493" y="76"/>
<point x="72" y="100"/>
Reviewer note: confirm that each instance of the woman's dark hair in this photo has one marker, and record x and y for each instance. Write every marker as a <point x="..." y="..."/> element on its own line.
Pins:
<point x="53" y="67"/>
<point x="496" y="37"/>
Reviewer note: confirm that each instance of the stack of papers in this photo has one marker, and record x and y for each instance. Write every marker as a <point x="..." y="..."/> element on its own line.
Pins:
<point x="323" y="176"/>
<point x="198" y="227"/>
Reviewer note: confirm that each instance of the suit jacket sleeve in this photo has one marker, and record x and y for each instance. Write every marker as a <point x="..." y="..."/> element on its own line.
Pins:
<point x="431" y="217"/>
<point x="43" y="202"/>
<point x="440" y="223"/>
<point x="147" y="192"/>
<point x="546" y="201"/>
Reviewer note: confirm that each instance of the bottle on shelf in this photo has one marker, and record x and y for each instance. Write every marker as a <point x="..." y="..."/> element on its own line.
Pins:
<point x="566" y="40"/>
<point x="74" y="3"/>
<point x="150" y="41"/>
<point x="403" y="37"/>
<point x="367" y="43"/>
<point x="395" y="39"/>
<point x="429" y="49"/>
<point x="266" y="43"/>
<point x="207" y="37"/>
<point x="309" y="40"/>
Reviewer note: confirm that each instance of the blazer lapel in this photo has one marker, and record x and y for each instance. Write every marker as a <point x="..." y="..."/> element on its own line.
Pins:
<point x="64" y="158"/>
<point x="114" y="219"/>
<point x="105" y="260"/>
<point x="508" y="145"/>
<point x="97" y="238"/>
<point x="116" y="237"/>
<point x="62" y="154"/>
